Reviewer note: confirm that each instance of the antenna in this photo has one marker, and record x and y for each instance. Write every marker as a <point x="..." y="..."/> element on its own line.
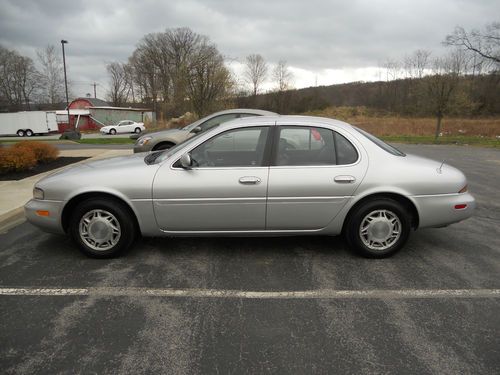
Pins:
<point x="440" y="169"/>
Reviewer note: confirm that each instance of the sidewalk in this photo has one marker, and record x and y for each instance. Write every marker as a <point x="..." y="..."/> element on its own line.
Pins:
<point x="15" y="194"/>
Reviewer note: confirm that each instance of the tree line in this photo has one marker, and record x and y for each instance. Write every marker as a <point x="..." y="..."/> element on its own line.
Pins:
<point x="179" y="70"/>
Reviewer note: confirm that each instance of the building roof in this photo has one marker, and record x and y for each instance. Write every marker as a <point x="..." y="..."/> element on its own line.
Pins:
<point x="94" y="101"/>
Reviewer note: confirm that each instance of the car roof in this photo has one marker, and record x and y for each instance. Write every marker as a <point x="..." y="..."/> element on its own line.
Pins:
<point x="260" y="112"/>
<point x="287" y="120"/>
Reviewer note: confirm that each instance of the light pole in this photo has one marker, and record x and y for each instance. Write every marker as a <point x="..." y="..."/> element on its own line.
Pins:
<point x="63" y="42"/>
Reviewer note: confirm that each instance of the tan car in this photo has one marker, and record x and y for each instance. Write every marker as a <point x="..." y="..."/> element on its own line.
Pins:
<point x="165" y="139"/>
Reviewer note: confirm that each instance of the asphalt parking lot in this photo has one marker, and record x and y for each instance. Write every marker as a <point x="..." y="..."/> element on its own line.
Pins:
<point x="253" y="305"/>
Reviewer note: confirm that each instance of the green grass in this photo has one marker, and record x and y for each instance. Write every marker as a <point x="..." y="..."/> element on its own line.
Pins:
<point x="105" y="141"/>
<point x="445" y="140"/>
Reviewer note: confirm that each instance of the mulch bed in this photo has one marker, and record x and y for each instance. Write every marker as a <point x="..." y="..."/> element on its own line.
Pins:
<point x="40" y="168"/>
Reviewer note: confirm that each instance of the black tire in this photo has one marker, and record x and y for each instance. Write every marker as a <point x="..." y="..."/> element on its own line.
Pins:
<point x="122" y="214"/>
<point x="112" y="131"/>
<point x="29" y="133"/>
<point x="163" y="146"/>
<point x="20" y="133"/>
<point x="137" y="130"/>
<point x="372" y="208"/>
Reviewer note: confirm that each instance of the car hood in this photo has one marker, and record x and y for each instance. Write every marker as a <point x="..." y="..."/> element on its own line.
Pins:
<point x="127" y="175"/>
<point x="166" y="133"/>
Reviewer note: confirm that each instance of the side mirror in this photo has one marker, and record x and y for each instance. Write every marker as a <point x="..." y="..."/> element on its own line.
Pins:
<point x="186" y="161"/>
<point x="196" y="130"/>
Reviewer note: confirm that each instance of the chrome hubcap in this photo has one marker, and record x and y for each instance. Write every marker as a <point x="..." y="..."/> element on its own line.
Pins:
<point x="99" y="230"/>
<point x="380" y="229"/>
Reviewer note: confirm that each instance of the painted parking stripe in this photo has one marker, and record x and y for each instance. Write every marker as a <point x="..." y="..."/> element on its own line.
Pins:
<point x="218" y="293"/>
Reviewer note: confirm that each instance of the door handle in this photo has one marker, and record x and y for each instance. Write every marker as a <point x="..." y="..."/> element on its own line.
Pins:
<point x="249" y="180"/>
<point x="344" y="179"/>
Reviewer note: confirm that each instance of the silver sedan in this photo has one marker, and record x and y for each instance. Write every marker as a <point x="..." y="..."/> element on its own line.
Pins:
<point x="165" y="139"/>
<point x="259" y="176"/>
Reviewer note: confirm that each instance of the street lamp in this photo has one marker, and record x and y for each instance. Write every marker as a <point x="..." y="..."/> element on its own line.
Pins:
<point x="63" y="42"/>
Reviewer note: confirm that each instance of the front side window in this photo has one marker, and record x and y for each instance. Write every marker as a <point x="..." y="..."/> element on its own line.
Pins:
<point x="233" y="148"/>
<point x="313" y="146"/>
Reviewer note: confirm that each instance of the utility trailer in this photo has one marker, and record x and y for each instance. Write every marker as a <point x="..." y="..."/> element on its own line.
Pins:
<point x="28" y="123"/>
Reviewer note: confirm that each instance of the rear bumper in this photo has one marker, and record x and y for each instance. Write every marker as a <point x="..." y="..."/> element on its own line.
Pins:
<point x="52" y="222"/>
<point x="439" y="210"/>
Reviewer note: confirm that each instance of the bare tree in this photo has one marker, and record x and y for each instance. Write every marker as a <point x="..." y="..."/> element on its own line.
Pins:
<point x="118" y="91"/>
<point x="209" y="79"/>
<point x="51" y="75"/>
<point x="417" y="63"/>
<point x="441" y="86"/>
<point x="282" y="76"/>
<point x="485" y="43"/>
<point x="177" y="70"/>
<point x="19" y="79"/>
<point x="255" y="71"/>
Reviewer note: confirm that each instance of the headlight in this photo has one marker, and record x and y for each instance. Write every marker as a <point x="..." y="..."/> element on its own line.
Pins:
<point x="143" y="141"/>
<point x="38" y="193"/>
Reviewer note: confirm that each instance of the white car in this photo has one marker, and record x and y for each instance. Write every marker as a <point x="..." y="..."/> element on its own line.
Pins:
<point x="125" y="126"/>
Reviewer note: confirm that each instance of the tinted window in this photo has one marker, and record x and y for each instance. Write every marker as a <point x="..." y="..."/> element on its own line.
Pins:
<point x="345" y="152"/>
<point x="313" y="146"/>
<point x="233" y="148"/>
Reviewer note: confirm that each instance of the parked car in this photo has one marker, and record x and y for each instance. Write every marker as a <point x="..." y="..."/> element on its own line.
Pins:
<point x="165" y="139"/>
<point x="125" y="126"/>
<point x="280" y="175"/>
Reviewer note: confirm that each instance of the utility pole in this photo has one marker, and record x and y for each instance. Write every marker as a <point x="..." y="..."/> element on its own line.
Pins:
<point x="95" y="92"/>
<point x="63" y="42"/>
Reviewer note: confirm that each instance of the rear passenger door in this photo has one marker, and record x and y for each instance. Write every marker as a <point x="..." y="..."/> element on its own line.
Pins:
<point x="314" y="172"/>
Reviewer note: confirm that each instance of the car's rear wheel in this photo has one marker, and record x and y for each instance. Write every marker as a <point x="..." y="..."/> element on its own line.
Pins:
<point x="163" y="146"/>
<point x="112" y="132"/>
<point x="378" y="228"/>
<point x="20" y="133"/>
<point x="102" y="228"/>
<point x="137" y="130"/>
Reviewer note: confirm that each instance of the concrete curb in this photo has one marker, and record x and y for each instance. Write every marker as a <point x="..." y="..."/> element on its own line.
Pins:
<point x="11" y="219"/>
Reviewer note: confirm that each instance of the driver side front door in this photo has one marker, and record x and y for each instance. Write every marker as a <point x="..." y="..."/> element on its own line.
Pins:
<point x="224" y="191"/>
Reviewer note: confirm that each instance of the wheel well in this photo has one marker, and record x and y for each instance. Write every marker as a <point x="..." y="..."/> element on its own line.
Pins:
<point x="73" y="202"/>
<point x="162" y="144"/>
<point x="401" y="199"/>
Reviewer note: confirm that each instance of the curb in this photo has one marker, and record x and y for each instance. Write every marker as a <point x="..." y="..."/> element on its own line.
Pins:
<point x="11" y="219"/>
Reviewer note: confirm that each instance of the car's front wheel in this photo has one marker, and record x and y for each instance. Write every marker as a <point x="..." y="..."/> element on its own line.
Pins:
<point x="102" y="228"/>
<point x="112" y="132"/>
<point x="378" y="228"/>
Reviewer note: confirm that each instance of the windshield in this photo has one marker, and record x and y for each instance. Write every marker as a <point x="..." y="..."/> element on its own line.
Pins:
<point x="390" y="149"/>
<point x="159" y="156"/>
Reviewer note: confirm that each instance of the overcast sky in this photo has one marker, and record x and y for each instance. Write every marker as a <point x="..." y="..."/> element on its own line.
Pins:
<point x="328" y="41"/>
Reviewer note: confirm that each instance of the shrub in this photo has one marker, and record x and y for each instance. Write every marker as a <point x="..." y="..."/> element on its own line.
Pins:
<point x="16" y="159"/>
<point x="43" y="151"/>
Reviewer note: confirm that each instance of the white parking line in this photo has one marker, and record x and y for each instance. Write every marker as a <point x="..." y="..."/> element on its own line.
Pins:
<point x="218" y="293"/>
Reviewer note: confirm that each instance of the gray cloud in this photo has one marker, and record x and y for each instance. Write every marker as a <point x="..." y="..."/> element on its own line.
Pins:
<point x="311" y="35"/>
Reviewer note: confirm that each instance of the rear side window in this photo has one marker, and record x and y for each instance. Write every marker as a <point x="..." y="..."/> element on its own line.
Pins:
<point x="346" y="153"/>
<point x="313" y="146"/>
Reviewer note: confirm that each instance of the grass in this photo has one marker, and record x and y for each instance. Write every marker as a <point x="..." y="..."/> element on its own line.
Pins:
<point x="444" y="140"/>
<point x="105" y="141"/>
<point x="383" y="125"/>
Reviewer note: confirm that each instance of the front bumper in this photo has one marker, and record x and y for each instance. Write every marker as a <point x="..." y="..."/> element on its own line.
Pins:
<point x="439" y="210"/>
<point x="52" y="222"/>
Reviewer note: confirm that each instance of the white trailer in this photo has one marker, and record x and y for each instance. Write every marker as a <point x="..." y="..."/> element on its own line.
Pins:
<point x="28" y="123"/>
